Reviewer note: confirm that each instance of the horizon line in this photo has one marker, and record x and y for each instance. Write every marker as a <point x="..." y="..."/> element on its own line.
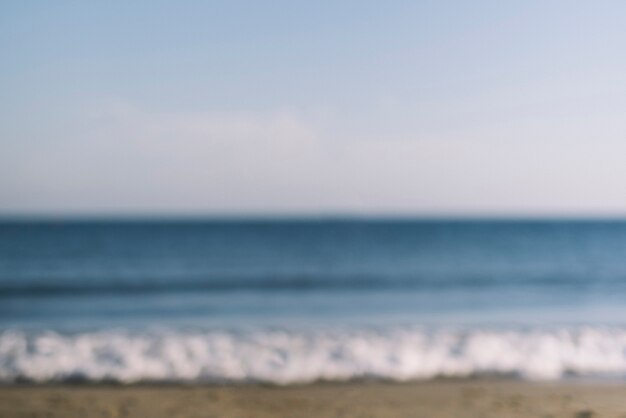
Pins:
<point x="311" y="216"/>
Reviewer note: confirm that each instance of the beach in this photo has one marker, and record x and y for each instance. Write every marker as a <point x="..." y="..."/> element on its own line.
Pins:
<point x="312" y="209"/>
<point x="438" y="398"/>
<point x="308" y="318"/>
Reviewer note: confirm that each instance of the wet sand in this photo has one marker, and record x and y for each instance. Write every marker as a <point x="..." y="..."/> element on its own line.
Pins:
<point x="428" y="399"/>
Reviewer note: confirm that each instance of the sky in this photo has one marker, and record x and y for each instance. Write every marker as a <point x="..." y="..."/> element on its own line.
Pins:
<point x="419" y="108"/>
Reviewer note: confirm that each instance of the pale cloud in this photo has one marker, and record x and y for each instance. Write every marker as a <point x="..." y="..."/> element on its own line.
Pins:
<point x="125" y="158"/>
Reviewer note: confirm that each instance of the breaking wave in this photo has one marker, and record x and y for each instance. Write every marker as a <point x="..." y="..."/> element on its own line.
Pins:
<point x="288" y="356"/>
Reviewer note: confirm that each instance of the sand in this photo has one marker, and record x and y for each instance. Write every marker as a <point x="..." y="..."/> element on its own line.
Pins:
<point x="427" y="399"/>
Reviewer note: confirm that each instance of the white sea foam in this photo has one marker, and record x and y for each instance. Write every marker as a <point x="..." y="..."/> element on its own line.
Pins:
<point x="303" y="356"/>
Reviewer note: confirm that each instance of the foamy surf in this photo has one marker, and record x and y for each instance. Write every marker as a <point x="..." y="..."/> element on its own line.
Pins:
<point x="288" y="356"/>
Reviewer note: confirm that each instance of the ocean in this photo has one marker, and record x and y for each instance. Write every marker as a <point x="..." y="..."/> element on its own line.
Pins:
<point x="302" y="300"/>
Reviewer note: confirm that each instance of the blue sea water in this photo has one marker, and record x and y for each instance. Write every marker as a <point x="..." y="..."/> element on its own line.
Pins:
<point x="300" y="300"/>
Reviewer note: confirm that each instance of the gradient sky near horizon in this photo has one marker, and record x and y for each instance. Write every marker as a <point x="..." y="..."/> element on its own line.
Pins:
<point x="330" y="107"/>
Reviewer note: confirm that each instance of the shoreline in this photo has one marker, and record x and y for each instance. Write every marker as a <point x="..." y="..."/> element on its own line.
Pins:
<point x="445" y="398"/>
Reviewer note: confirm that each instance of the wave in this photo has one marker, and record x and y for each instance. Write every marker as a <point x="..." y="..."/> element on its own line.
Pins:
<point x="288" y="356"/>
<point x="44" y="288"/>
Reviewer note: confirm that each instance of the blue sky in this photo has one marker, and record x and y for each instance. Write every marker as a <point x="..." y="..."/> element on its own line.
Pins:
<point x="288" y="107"/>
